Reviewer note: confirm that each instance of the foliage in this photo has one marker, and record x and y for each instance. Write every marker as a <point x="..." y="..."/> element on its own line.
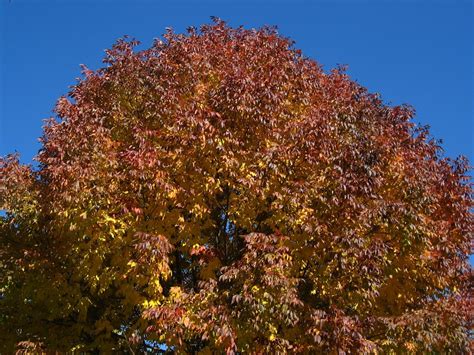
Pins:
<point x="220" y="192"/>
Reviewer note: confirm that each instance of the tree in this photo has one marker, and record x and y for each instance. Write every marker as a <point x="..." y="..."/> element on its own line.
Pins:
<point x="220" y="192"/>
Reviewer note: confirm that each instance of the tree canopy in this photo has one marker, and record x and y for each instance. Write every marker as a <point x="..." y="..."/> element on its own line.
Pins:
<point x="220" y="192"/>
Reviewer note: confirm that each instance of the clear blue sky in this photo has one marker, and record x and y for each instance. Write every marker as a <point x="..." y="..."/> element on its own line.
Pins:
<point x="416" y="52"/>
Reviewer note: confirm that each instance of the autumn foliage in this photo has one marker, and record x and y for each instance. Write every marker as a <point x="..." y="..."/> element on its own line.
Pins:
<point x="220" y="192"/>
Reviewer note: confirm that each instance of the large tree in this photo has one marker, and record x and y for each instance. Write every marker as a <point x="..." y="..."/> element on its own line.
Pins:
<point x="221" y="192"/>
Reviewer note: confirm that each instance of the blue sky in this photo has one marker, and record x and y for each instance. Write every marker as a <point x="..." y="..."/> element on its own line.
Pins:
<point x="415" y="52"/>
